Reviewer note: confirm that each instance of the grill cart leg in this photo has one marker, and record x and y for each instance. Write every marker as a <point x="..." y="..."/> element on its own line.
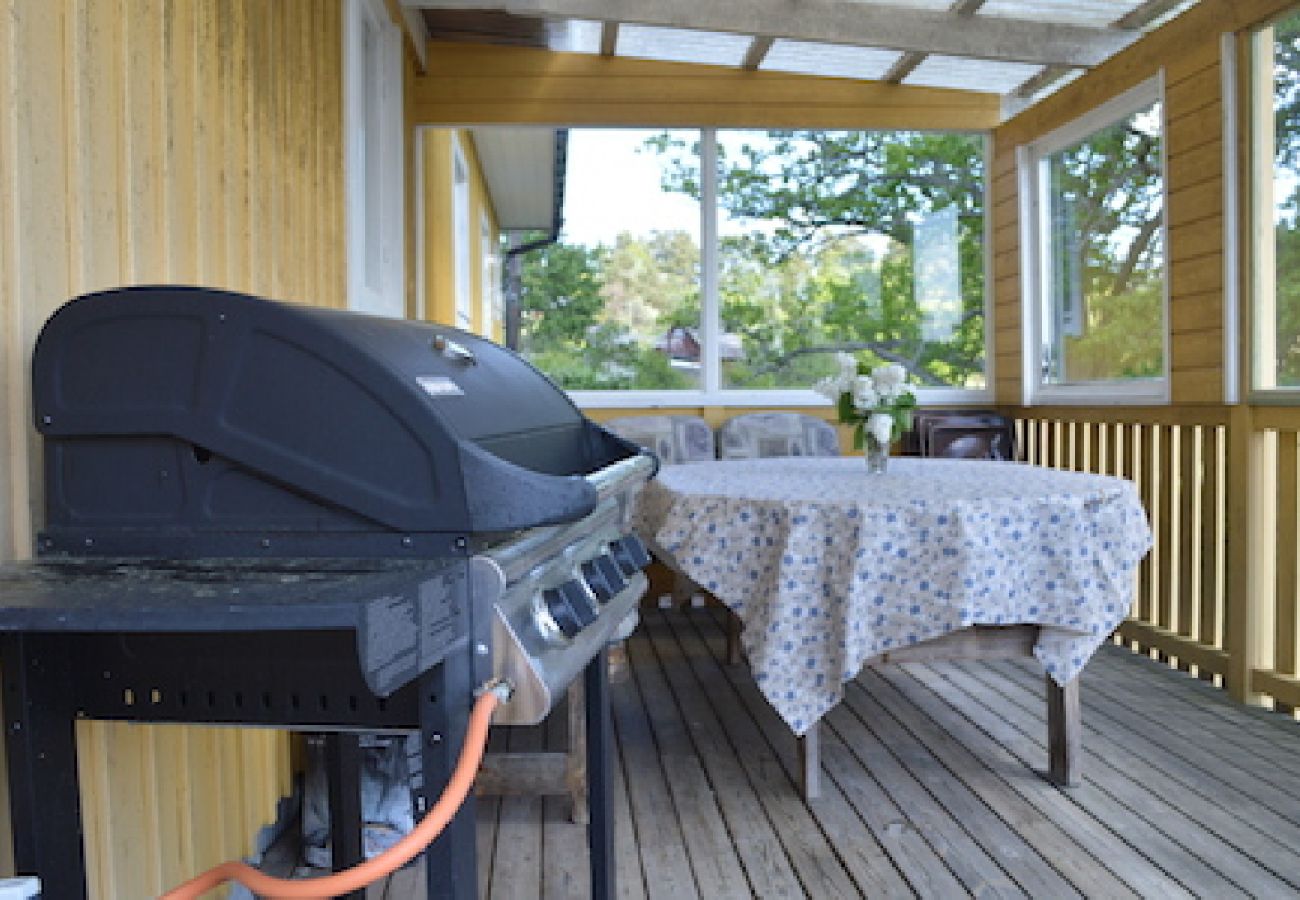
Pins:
<point x="446" y="693"/>
<point x="41" y="740"/>
<point x="343" y="771"/>
<point x="600" y="781"/>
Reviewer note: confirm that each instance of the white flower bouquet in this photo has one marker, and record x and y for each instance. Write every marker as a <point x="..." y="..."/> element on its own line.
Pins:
<point x="877" y="402"/>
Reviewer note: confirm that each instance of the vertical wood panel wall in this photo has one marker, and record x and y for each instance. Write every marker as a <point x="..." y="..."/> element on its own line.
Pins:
<point x="1187" y="50"/>
<point x="147" y="141"/>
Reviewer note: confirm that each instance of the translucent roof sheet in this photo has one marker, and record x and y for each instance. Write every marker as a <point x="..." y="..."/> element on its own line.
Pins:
<point x="710" y="48"/>
<point x="831" y="60"/>
<point x="573" y="36"/>
<point x="1097" y="13"/>
<point x="971" y="74"/>
<point x="801" y="39"/>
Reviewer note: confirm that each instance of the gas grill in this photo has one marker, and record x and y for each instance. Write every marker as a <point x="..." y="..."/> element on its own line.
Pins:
<point x="218" y="464"/>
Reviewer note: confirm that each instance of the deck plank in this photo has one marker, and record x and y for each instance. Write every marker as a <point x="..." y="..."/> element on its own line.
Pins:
<point x="810" y="854"/>
<point x="1089" y="831"/>
<point x="1252" y="827"/>
<point x="659" y="835"/>
<point x="717" y="869"/>
<point x="860" y="850"/>
<point x="1180" y="814"/>
<point x="1039" y="831"/>
<point x="932" y="787"/>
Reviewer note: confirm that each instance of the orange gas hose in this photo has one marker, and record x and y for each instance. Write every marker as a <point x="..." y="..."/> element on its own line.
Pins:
<point x="362" y="874"/>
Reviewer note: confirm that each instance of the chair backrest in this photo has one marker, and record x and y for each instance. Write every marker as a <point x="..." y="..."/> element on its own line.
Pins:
<point x="674" y="439"/>
<point x="965" y="434"/>
<point x="755" y="435"/>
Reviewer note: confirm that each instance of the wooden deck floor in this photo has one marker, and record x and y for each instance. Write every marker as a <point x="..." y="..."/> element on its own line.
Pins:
<point x="932" y="787"/>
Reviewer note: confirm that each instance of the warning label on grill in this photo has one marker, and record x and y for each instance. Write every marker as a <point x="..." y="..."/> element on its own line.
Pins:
<point x="404" y="634"/>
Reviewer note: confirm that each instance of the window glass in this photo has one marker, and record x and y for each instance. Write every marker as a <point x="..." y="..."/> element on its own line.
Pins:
<point x="615" y="304"/>
<point x="1102" y="254"/>
<point x="1278" y="183"/>
<point x="867" y="241"/>
<point x="849" y="240"/>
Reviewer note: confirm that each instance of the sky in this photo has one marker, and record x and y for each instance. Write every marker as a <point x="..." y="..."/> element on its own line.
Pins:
<point x="612" y="188"/>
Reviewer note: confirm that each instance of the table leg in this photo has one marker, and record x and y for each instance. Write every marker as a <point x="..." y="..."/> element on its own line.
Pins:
<point x="343" y="774"/>
<point x="40" y="737"/>
<point x="810" y="763"/>
<point x="1064" y="733"/>
<point x="733" y="639"/>
<point x="600" y="777"/>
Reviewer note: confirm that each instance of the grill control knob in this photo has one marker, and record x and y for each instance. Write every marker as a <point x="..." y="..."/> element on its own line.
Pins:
<point x="604" y="577"/>
<point x="629" y="553"/>
<point x="561" y="613"/>
<point x="597" y="581"/>
<point x="580" y="601"/>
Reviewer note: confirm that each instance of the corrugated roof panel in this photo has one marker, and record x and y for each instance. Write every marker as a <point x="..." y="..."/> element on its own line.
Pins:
<point x="574" y="36"/>
<point x="1097" y="13"/>
<point x="830" y="60"/>
<point x="710" y="48"/>
<point x="971" y="74"/>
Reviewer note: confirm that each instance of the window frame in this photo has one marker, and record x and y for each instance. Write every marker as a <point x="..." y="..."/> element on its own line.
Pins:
<point x="711" y="392"/>
<point x="1031" y="172"/>
<point x="1262" y="252"/>
<point x="372" y="99"/>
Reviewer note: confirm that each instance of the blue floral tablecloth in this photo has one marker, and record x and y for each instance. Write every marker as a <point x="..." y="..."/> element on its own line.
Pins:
<point x="828" y="566"/>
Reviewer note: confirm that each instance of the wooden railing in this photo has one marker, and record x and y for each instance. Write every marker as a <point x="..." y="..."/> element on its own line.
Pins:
<point x="1218" y="594"/>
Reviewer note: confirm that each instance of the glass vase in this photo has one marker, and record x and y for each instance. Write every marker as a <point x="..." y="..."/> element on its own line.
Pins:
<point x="876" y="454"/>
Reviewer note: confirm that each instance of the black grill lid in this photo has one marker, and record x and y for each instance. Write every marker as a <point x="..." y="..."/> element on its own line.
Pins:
<point x="180" y="407"/>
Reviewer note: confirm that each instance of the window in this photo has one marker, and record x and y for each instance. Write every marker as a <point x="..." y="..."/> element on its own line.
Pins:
<point x="615" y="304"/>
<point x="1094" y="275"/>
<point x="734" y="264"/>
<point x="372" y="55"/>
<point x="1276" y="165"/>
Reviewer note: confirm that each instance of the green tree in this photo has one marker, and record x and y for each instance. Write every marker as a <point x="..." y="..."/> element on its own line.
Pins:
<point x="560" y="296"/>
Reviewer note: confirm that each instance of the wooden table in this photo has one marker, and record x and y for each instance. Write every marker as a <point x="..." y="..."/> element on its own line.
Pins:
<point x="830" y="569"/>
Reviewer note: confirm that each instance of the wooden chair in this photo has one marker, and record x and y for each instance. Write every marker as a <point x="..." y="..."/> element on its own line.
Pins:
<point x="963" y="434"/>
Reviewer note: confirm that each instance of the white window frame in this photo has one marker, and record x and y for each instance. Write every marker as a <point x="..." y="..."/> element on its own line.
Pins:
<point x="1035" y="276"/>
<point x="462" y="258"/>
<point x="372" y="122"/>
<point x="711" y="392"/>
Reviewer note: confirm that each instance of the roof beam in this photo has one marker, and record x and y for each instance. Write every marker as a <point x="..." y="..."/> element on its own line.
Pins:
<point x="896" y="28"/>
<point x="608" y="38"/>
<point x="908" y="62"/>
<point x="758" y="48"/>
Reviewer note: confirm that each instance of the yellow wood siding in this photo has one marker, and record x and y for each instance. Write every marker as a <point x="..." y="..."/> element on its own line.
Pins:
<point x="473" y="84"/>
<point x="1187" y="49"/>
<point x="147" y="141"/>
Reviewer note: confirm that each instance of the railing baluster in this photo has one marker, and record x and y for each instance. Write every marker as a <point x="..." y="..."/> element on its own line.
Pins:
<point x="1288" y="512"/>
<point x="1189" y="529"/>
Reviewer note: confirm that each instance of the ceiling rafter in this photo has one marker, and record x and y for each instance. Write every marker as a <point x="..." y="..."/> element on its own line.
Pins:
<point x="908" y="62"/>
<point x="976" y="37"/>
<point x="608" y="38"/>
<point x="757" y="52"/>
